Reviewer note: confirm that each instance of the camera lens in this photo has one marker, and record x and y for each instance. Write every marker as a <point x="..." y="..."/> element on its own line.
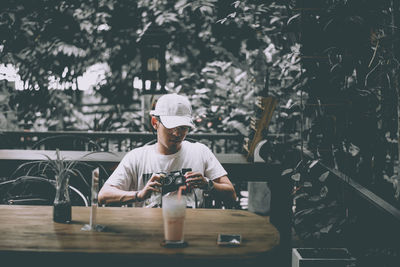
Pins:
<point x="167" y="180"/>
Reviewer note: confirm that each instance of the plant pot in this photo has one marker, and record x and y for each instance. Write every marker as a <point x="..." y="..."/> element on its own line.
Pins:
<point x="62" y="201"/>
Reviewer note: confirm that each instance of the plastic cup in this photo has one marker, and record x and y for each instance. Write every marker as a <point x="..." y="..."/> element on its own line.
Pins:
<point x="174" y="211"/>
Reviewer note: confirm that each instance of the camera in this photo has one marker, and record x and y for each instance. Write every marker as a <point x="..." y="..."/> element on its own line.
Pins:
<point x="172" y="181"/>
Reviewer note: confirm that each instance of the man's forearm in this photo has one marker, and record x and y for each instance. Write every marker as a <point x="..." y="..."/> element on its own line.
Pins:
<point x="112" y="194"/>
<point x="224" y="190"/>
<point x="226" y="193"/>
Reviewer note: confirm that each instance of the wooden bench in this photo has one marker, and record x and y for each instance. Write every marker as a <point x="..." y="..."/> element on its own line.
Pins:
<point x="238" y="168"/>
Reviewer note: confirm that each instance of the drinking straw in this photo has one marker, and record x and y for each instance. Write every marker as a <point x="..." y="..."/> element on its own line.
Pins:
<point x="182" y="187"/>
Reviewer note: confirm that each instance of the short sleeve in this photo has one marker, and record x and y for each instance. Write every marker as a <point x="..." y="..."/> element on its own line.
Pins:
<point x="213" y="168"/>
<point x="124" y="176"/>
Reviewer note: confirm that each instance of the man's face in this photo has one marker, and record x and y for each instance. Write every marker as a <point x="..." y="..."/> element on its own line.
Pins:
<point x="170" y="140"/>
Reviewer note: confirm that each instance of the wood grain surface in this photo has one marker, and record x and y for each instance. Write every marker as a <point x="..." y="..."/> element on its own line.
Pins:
<point x="133" y="235"/>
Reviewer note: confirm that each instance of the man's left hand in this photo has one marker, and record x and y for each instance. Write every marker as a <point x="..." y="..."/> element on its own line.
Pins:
<point x="196" y="180"/>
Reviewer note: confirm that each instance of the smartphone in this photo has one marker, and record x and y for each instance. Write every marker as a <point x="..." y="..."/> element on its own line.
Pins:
<point x="229" y="239"/>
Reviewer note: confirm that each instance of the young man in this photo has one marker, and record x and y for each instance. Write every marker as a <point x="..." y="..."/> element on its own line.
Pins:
<point x="138" y="176"/>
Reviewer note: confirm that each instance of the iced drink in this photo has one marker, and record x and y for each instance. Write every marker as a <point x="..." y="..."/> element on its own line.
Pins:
<point x="173" y="209"/>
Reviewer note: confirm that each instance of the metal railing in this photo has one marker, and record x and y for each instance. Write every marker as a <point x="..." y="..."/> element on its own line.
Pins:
<point x="108" y="141"/>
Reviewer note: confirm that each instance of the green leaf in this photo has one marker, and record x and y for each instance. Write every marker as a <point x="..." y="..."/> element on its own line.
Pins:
<point x="206" y="10"/>
<point x="293" y="18"/>
<point x="274" y="19"/>
<point x="323" y="176"/>
<point x="296" y="177"/>
<point x="313" y="163"/>
<point x="202" y="91"/>
<point x="287" y="171"/>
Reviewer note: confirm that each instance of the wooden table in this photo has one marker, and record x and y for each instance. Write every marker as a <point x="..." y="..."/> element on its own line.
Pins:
<point x="134" y="235"/>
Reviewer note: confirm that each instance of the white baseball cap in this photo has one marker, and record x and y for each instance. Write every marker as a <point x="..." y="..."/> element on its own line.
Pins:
<point x="174" y="110"/>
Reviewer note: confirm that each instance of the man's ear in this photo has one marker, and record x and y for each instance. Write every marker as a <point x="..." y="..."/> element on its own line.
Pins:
<point x="154" y="122"/>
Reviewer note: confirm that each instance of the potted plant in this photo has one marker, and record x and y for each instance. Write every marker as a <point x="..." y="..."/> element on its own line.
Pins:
<point x="62" y="201"/>
<point x="57" y="172"/>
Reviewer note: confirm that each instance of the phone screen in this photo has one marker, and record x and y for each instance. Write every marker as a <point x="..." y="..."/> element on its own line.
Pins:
<point x="229" y="239"/>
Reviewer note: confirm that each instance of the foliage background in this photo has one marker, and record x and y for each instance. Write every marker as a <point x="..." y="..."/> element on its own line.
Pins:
<point x="219" y="53"/>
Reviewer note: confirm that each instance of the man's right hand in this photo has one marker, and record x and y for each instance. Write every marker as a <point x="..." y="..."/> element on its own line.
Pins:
<point x="153" y="185"/>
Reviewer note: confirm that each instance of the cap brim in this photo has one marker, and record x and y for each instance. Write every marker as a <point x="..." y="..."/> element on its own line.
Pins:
<point x="176" y="121"/>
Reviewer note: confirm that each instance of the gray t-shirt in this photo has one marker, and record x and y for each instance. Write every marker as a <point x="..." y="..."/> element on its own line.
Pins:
<point x="138" y="165"/>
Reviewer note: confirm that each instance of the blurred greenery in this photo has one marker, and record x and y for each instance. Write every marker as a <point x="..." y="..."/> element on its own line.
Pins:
<point x="218" y="53"/>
